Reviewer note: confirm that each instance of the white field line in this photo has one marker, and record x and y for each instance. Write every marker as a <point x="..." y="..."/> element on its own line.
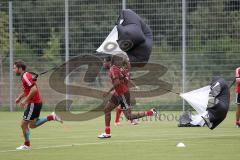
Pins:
<point x="82" y="136"/>
<point x="117" y="141"/>
<point x="129" y="136"/>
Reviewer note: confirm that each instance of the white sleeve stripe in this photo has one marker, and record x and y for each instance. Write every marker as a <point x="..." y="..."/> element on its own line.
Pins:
<point x="26" y="79"/>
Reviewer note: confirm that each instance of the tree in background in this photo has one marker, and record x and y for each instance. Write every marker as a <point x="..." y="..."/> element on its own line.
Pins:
<point x="51" y="53"/>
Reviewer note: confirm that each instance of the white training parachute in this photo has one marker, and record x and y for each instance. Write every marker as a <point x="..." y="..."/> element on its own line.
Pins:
<point x="211" y="103"/>
<point x="198" y="99"/>
<point x="110" y="45"/>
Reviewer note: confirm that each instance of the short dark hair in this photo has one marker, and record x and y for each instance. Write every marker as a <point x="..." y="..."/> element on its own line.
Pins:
<point x="108" y="58"/>
<point x="117" y="60"/>
<point x="20" y="64"/>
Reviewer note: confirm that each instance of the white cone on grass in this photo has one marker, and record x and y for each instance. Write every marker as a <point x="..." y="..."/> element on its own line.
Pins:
<point x="180" y="145"/>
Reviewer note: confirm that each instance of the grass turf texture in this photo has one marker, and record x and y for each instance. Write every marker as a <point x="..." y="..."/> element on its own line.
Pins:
<point x="148" y="140"/>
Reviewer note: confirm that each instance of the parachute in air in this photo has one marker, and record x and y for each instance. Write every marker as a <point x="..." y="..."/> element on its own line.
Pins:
<point x="131" y="36"/>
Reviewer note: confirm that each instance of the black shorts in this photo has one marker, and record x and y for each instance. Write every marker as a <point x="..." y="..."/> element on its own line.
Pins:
<point x="122" y="100"/>
<point x="237" y="98"/>
<point x="32" y="111"/>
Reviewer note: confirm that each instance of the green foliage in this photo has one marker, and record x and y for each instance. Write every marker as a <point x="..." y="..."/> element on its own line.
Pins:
<point x="4" y="41"/>
<point x="21" y="50"/>
<point x="51" y="52"/>
<point x="213" y="31"/>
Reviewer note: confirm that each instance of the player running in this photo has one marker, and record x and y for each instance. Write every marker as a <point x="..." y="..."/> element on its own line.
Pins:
<point x="120" y="97"/>
<point x="125" y="72"/>
<point x="31" y="100"/>
<point x="127" y="79"/>
<point x="237" y="76"/>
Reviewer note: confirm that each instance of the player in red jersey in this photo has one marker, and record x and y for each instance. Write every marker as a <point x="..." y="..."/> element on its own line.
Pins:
<point x="237" y="76"/>
<point x="125" y="71"/>
<point x="121" y="96"/>
<point x="107" y="65"/>
<point x="31" y="100"/>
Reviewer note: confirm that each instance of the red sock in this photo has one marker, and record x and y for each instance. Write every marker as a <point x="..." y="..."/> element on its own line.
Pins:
<point x="149" y="113"/>
<point x="118" y="113"/>
<point x="27" y="143"/>
<point x="50" y="117"/>
<point x="107" y="130"/>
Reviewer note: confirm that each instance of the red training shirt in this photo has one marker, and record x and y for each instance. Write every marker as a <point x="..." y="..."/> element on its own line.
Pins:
<point x="27" y="84"/>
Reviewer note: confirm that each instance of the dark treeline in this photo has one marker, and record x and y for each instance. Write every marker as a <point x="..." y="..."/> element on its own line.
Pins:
<point x="213" y="29"/>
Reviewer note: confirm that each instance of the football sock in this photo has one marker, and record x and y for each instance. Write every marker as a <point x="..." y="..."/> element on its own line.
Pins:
<point x="43" y="120"/>
<point x="27" y="137"/>
<point x="149" y="113"/>
<point x="107" y="130"/>
<point x="118" y="113"/>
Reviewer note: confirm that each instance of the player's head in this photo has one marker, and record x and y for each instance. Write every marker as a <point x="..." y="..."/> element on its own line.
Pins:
<point x="107" y="62"/>
<point x="117" y="60"/>
<point x="19" y="67"/>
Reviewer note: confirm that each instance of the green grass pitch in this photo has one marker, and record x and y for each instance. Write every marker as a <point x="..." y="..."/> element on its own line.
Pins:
<point x="150" y="140"/>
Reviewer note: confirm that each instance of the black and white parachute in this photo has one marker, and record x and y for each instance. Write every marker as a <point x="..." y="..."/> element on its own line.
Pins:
<point x="131" y="36"/>
<point x="211" y="103"/>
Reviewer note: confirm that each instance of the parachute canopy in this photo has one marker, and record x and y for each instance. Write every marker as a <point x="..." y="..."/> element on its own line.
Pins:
<point x="211" y="102"/>
<point x="198" y="98"/>
<point x="131" y="36"/>
<point x="110" y="45"/>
